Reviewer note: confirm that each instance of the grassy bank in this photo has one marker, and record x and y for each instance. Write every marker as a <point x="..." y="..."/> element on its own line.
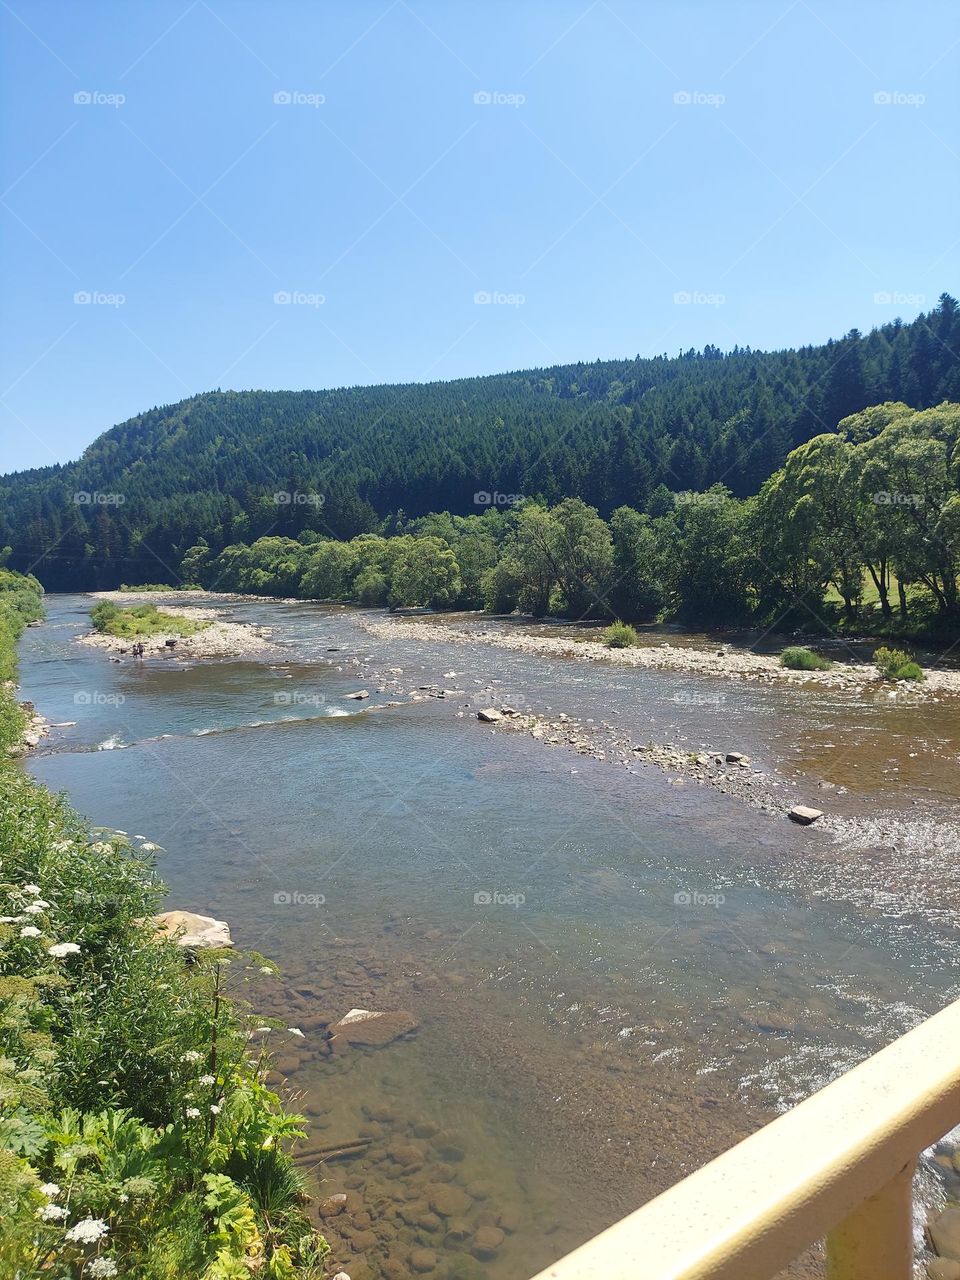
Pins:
<point x="138" y="620"/>
<point x="137" y="1135"/>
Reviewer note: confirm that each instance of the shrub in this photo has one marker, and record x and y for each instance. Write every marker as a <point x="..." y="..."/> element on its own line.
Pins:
<point x="141" y="620"/>
<point x="895" y="664"/>
<point x="796" y="658"/>
<point x="620" y="635"/>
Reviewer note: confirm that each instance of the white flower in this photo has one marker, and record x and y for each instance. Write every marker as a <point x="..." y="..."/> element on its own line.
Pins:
<point x="265" y="968"/>
<point x="192" y="1113"/>
<point x="88" y="1231"/>
<point x="29" y="931"/>
<point x="31" y="888"/>
<point x="51" y="1213"/>
<point x="295" y="1031"/>
<point x="207" y="1080"/>
<point x="10" y="919"/>
<point x="61" y="949"/>
<point x="34" y="909"/>
<point x="101" y="1268"/>
<point x="50" y="1189"/>
<point x="192" y="1056"/>
<point x="149" y="847"/>
<point x="215" y="1110"/>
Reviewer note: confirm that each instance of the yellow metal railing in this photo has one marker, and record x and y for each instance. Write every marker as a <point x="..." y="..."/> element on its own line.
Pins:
<point x="840" y="1165"/>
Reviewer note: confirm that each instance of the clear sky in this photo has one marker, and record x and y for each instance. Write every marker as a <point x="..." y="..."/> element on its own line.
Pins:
<point x="783" y="165"/>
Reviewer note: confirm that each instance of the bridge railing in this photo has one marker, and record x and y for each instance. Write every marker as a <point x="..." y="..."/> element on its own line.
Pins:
<point x="838" y="1166"/>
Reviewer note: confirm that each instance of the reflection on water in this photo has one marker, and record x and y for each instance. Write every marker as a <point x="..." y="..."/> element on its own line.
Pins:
<point x="610" y="982"/>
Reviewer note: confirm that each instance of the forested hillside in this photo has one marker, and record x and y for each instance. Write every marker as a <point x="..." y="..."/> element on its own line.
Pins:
<point x="229" y="467"/>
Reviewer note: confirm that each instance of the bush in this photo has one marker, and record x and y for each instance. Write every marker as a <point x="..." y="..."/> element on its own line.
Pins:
<point x="895" y="664"/>
<point x="797" y="658"/>
<point x="141" y="620"/>
<point x="620" y="635"/>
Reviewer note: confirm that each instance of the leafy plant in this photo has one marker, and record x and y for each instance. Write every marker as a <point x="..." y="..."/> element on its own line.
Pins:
<point x="796" y="658"/>
<point x="620" y="635"/>
<point x="895" y="664"/>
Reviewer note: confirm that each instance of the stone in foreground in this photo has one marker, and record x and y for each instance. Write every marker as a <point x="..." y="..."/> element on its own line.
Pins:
<point x="945" y="1233"/>
<point x="804" y="814"/>
<point x="489" y="715"/>
<point x="197" y="932"/>
<point x="366" y="1028"/>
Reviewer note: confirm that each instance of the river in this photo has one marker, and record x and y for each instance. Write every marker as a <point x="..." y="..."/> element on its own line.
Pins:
<point x="615" y="976"/>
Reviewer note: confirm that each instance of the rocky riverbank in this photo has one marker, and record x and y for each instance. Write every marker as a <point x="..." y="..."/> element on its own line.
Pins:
<point x="36" y="727"/>
<point x="221" y="639"/>
<point x="724" y="662"/>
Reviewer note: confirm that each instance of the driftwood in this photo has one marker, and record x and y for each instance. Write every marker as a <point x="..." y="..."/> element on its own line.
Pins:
<point x="339" y="1150"/>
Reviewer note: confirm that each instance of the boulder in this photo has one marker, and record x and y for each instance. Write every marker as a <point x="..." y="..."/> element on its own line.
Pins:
<point x="489" y="715"/>
<point x="449" y="1201"/>
<point x="359" y="695"/>
<point x="190" y="930"/>
<point x="804" y="814"/>
<point x="422" y="1260"/>
<point x="486" y="1242"/>
<point x="943" y="1269"/>
<point x="368" y="1028"/>
<point x="332" y="1205"/>
<point x="945" y="1233"/>
<point x="736" y="757"/>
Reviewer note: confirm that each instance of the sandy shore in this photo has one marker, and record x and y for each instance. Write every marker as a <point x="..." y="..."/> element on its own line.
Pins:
<point x="221" y="639"/>
<point x="725" y="662"/>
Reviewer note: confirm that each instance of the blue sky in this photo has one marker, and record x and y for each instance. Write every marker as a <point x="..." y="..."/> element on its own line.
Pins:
<point x="613" y="177"/>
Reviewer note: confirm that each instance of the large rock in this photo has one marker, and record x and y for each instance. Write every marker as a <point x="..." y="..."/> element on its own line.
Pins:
<point x="489" y="715"/>
<point x="804" y="814"/>
<point x="371" y="1029"/>
<point x="449" y="1201"/>
<point x="945" y="1233"/>
<point x="486" y="1242"/>
<point x="191" y="930"/>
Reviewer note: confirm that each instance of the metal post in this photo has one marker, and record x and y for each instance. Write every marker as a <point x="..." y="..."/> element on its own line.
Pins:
<point x="876" y="1241"/>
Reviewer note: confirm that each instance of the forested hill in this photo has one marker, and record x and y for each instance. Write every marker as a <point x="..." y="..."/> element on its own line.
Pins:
<point x="609" y="432"/>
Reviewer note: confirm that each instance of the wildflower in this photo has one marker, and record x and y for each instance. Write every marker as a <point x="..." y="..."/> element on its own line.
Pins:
<point x="50" y="1189"/>
<point x="31" y="888"/>
<point x="29" y="931"/>
<point x="192" y="1113"/>
<point x="295" y="1031"/>
<point x="265" y="968"/>
<point x="101" y="1268"/>
<point x="34" y="909"/>
<point x="215" y="1110"/>
<point x="208" y="1080"/>
<point x="191" y="1056"/>
<point x="51" y="1213"/>
<point x="10" y="919"/>
<point x="88" y="1231"/>
<point x="149" y="847"/>
<point x="61" y="949"/>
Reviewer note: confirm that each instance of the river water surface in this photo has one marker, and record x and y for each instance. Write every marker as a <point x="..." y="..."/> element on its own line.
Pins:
<point x="615" y="977"/>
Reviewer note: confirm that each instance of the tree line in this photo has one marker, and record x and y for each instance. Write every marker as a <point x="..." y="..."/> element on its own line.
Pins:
<point x="861" y="524"/>
<point x="612" y="433"/>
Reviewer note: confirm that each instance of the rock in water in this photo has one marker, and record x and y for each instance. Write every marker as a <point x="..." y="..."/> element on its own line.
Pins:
<point x="359" y="695"/>
<point x="737" y="757"/>
<point x="804" y="814"/>
<point x="489" y="715"/>
<point x="190" y="930"/>
<point x="945" y="1233"/>
<point x="370" y="1029"/>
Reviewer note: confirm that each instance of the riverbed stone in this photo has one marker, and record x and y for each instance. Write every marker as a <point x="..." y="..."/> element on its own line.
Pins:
<point x="423" y="1260"/>
<point x="943" y="1269"/>
<point x="803" y="814"/>
<point x="486" y="1242"/>
<point x="372" y="1029"/>
<point x="489" y="715"/>
<point x="449" y="1201"/>
<point x="945" y="1233"/>
<point x="332" y="1205"/>
<point x="196" y="932"/>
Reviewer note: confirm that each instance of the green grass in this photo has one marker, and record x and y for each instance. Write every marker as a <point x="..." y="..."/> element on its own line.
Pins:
<point x="796" y="658"/>
<point x="158" y="586"/>
<point x="138" y="620"/>
<point x="620" y="635"/>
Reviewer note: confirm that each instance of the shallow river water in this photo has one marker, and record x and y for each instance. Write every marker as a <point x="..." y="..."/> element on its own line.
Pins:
<point x="615" y="977"/>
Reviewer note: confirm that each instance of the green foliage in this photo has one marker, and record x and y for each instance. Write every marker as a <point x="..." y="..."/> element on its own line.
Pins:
<point x="232" y="467"/>
<point x="141" y="620"/>
<point x="796" y="658"/>
<point x="620" y="635"/>
<point x="134" y="1128"/>
<point x="894" y="664"/>
<point x="145" y="587"/>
